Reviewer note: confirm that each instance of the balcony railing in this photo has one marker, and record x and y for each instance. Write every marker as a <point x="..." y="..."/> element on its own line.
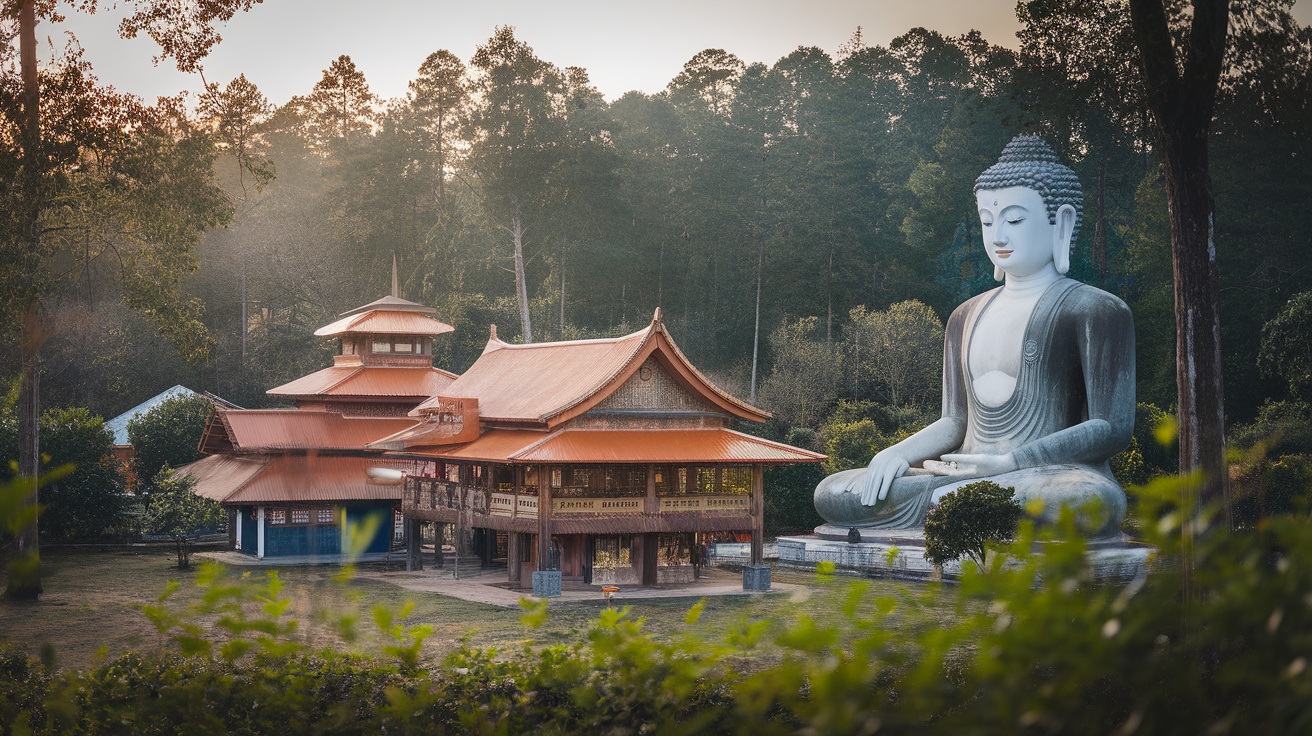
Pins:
<point x="432" y="494"/>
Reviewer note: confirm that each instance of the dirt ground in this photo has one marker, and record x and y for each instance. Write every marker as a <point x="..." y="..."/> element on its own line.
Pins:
<point x="92" y="608"/>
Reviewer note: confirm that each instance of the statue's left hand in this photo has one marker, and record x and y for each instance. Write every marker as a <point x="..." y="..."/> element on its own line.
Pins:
<point x="977" y="466"/>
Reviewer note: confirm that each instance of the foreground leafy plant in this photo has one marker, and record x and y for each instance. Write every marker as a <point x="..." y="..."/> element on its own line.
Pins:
<point x="1038" y="645"/>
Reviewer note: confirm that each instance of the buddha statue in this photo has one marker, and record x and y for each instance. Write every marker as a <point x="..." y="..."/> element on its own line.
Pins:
<point x="1038" y="374"/>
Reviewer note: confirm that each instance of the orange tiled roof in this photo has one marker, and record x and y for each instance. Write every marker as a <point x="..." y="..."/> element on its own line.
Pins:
<point x="342" y="381"/>
<point x="217" y="476"/>
<point x="291" y="429"/>
<point x="551" y="382"/>
<point x="289" y="479"/>
<point x="621" y="446"/>
<point x="385" y="322"/>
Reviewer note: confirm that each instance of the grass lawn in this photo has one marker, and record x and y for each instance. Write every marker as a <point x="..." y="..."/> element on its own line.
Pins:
<point x="93" y="600"/>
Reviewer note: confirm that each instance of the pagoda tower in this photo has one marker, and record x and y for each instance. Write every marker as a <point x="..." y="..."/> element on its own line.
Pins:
<point x="384" y="362"/>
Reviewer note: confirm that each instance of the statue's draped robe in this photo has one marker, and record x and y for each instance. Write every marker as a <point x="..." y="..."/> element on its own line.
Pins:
<point x="1072" y="408"/>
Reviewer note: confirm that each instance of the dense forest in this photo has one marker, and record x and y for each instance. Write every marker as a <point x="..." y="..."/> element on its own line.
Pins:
<point x="788" y="218"/>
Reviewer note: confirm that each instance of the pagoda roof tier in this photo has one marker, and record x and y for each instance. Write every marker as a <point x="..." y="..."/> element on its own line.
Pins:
<point x="391" y="304"/>
<point x="609" y="446"/>
<point x="386" y="321"/>
<point x="262" y="430"/>
<point x="289" y="479"/>
<point x="550" y="383"/>
<point x="368" y="382"/>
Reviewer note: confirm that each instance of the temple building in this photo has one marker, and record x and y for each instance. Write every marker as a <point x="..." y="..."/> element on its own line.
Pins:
<point x="607" y="461"/>
<point x="293" y="480"/>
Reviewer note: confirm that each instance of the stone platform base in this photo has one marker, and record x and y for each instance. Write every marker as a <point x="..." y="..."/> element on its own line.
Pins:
<point x="756" y="577"/>
<point x="901" y="553"/>
<point x="547" y="583"/>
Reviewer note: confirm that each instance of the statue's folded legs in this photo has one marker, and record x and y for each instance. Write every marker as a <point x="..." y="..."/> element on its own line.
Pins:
<point x="1098" y="500"/>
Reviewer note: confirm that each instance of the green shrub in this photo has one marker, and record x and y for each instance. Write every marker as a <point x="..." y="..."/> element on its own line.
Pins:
<point x="856" y="430"/>
<point x="168" y="434"/>
<point x="87" y="502"/>
<point x="970" y="519"/>
<point x="178" y="513"/>
<point x="1036" y="646"/>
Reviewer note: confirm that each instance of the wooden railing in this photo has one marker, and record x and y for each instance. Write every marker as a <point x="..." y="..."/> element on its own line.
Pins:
<point x="433" y="493"/>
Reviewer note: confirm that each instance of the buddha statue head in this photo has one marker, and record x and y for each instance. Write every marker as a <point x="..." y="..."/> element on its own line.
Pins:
<point x="1013" y="195"/>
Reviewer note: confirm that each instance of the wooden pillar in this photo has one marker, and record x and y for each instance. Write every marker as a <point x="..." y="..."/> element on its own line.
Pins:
<point x="414" y="560"/>
<point x="758" y="511"/>
<point x="653" y="505"/>
<point x="512" y="556"/>
<point x="544" y="520"/>
<point x="439" y="558"/>
<point x="650" y="544"/>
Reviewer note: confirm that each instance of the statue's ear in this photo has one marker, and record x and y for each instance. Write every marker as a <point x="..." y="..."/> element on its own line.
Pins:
<point x="1061" y="238"/>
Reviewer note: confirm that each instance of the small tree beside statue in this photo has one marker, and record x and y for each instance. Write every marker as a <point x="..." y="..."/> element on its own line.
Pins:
<point x="969" y="520"/>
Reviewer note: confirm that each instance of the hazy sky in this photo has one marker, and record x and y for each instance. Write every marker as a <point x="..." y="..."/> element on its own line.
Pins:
<point x="283" y="46"/>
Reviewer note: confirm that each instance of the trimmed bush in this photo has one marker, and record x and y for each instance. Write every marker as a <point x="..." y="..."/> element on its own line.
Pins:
<point x="966" y="521"/>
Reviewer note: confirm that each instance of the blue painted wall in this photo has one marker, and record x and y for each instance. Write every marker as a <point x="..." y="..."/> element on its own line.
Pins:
<point x="314" y="539"/>
<point x="301" y="540"/>
<point x="361" y="514"/>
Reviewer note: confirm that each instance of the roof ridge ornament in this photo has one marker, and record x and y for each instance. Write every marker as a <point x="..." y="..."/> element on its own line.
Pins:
<point x="396" y="290"/>
<point x="657" y="320"/>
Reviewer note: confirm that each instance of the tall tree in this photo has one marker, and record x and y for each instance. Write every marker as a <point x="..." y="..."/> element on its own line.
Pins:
<point x="48" y="163"/>
<point x="340" y="106"/>
<point x="439" y="104"/>
<point x="516" y="135"/>
<point x="1182" y="97"/>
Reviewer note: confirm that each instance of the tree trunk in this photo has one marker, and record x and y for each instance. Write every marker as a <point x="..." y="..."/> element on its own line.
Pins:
<point x="756" y="335"/>
<point x="25" y="574"/>
<point x="1197" y="317"/>
<point x="564" y="243"/>
<point x="521" y="285"/>
<point x="1181" y="102"/>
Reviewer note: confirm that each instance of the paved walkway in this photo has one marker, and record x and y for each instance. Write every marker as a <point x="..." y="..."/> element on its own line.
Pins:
<point x="490" y="586"/>
<point x="241" y="559"/>
<point x="482" y="587"/>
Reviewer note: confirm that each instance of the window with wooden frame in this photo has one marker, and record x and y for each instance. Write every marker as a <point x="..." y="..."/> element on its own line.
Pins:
<point x="705" y="480"/>
<point x="300" y="516"/>
<point x="737" y="479"/>
<point x="277" y="516"/>
<point x="325" y="516"/>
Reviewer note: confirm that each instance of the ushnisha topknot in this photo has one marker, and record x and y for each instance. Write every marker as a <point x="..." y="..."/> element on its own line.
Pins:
<point x="1028" y="161"/>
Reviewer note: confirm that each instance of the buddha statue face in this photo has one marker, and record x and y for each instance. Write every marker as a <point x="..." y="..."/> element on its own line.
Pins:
<point x="1018" y="237"/>
<point x="1029" y="206"/>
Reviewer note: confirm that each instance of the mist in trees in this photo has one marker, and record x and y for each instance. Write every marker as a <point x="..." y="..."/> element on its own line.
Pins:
<point x="837" y="187"/>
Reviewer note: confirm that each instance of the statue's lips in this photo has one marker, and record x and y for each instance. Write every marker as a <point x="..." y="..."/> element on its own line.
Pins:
<point x="1002" y="253"/>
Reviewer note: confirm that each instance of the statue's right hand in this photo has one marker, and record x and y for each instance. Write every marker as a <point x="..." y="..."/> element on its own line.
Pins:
<point x="884" y="468"/>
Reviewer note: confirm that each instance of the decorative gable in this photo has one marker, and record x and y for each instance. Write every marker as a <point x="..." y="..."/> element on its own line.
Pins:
<point x="652" y="388"/>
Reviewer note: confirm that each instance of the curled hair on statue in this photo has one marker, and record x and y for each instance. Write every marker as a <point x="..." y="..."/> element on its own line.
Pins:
<point x="1028" y="161"/>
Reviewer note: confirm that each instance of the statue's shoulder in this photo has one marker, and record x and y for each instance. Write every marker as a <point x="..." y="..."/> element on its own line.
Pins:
<point x="1093" y="302"/>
